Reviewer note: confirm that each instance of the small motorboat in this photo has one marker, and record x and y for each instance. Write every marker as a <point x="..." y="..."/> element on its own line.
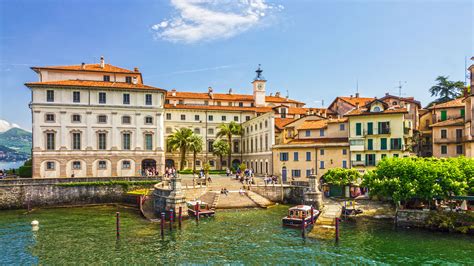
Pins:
<point x="200" y="208"/>
<point x="299" y="214"/>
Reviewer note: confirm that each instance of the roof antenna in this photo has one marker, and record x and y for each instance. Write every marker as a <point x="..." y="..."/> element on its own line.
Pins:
<point x="466" y="75"/>
<point x="357" y="86"/>
<point x="287" y="94"/>
<point x="400" y="86"/>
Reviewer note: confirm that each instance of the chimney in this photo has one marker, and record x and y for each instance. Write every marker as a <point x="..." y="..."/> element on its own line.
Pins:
<point x="136" y="69"/>
<point x="230" y="91"/>
<point x="357" y="95"/>
<point x="271" y="93"/>
<point x="277" y="94"/>
<point x="134" y="80"/>
<point x="386" y="94"/>
<point x="173" y="92"/>
<point x="102" y="62"/>
<point x="83" y="65"/>
<point x="351" y="96"/>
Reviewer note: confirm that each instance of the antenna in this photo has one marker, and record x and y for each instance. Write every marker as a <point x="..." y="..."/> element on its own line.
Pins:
<point x="287" y="94"/>
<point x="322" y="102"/>
<point x="357" y="86"/>
<point x="400" y="86"/>
<point x="466" y="75"/>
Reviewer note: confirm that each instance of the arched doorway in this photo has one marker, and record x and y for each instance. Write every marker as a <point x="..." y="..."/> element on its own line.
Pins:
<point x="148" y="164"/>
<point x="235" y="163"/>
<point x="283" y="174"/>
<point x="169" y="163"/>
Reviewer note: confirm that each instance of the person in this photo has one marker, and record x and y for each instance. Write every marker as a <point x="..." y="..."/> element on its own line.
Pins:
<point x="209" y="179"/>
<point x="227" y="171"/>
<point x="226" y="191"/>
<point x="241" y="191"/>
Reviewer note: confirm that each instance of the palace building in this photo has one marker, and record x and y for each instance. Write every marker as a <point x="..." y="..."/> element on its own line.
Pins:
<point x="95" y="120"/>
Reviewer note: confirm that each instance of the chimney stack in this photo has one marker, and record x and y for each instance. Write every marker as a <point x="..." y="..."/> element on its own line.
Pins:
<point x="230" y="91"/>
<point x="136" y="69"/>
<point x="102" y="62"/>
<point x="134" y="80"/>
<point x="173" y="92"/>
<point x="386" y="94"/>
<point x="83" y="65"/>
<point x="357" y="95"/>
<point x="277" y="94"/>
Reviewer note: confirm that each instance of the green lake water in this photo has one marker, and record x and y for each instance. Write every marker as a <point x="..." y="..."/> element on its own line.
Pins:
<point x="87" y="235"/>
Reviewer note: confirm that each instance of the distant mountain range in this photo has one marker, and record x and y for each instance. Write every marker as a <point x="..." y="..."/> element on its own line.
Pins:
<point x="15" y="144"/>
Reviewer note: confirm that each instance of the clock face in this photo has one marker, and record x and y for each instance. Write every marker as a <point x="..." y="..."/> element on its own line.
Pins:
<point x="259" y="86"/>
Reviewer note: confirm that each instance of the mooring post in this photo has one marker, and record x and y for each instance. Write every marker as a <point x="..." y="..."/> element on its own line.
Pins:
<point x="162" y="224"/>
<point x="171" y="219"/>
<point x="337" y="229"/>
<point x="180" y="218"/>
<point x="303" y="223"/>
<point x="197" y="212"/>
<point x="312" y="215"/>
<point x="117" y="223"/>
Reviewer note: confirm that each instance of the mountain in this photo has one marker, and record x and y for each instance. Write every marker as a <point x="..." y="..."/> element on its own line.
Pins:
<point x="15" y="144"/>
<point x="5" y="125"/>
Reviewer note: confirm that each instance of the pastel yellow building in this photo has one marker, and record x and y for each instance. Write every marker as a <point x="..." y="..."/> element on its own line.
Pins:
<point x="377" y="131"/>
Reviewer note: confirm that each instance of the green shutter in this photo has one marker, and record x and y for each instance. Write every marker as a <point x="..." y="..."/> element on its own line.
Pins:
<point x="370" y="128"/>
<point x="380" y="128"/>
<point x="462" y="112"/>
<point x="444" y="115"/>
<point x="358" y="129"/>
<point x="391" y="144"/>
<point x="383" y="143"/>
<point x="370" y="144"/>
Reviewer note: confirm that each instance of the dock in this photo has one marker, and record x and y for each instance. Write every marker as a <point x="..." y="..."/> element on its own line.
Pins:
<point x="325" y="226"/>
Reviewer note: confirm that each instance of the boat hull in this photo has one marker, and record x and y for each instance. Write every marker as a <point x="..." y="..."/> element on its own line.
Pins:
<point x="297" y="222"/>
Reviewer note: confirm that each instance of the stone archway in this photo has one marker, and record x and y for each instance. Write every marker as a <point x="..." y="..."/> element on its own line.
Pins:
<point x="169" y="163"/>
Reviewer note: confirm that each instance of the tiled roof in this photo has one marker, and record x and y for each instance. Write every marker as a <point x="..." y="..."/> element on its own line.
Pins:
<point x="357" y="100"/>
<point x="212" y="107"/>
<point x="318" y="140"/>
<point x="225" y="96"/>
<point x="363" y="111"/>
<point x="275" y="99"/>
<point x="313" y="124"/>
<point x="89" y="67"/>
<point x="449" y="122"/>
<point x="449" y="104"/>
<point x="406" y="99"/>
<point x="92" y="83"/>
<point x="338" y="120"/>
<point x="280" y="123"/>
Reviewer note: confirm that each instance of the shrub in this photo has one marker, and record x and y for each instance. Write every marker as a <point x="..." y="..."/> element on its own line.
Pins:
<point x="341" y="176"/>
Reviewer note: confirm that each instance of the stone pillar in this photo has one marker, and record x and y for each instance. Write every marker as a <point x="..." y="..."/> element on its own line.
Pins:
<point x="176" y="198"/>
<point x="314" y="197"/>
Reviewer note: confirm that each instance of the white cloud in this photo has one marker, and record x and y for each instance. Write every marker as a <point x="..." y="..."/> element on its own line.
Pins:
<point x="5" y="125"/>
<point x="204" y="20"/>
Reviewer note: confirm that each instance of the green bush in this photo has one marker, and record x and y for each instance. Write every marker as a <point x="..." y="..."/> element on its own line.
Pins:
<point x="341" y="176"/>
<point x="462" y="222"/>
<point x="25" y="171"/>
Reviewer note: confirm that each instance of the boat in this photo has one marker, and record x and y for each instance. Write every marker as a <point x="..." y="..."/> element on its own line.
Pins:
<point x="198" y="207"/>
<point x="296" y="214"/>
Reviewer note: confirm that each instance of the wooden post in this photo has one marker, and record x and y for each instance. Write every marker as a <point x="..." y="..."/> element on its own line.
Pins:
<point x="337" y="229"/>
<point x="162" y="224"/>
<point x="197" y="211"/>
<point x="117" y="223"/>
<point x="312" y="215"/>
<point x="180" y="218"/>
<point x="303" y="225"/>
<point x="171" y="219"/>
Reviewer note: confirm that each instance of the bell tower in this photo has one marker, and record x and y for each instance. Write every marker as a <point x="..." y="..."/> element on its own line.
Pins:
<point x="259" y="88"/>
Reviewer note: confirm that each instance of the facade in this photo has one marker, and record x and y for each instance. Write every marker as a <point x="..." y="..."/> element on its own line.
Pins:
<point x="342" y="105"/>
<point x="378" y="131"/>
<point x="316" y="144"/>
<point x="469" y="111"/>
<point x="95" y="120"/>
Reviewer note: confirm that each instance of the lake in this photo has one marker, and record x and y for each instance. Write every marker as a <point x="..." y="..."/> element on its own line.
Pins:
<point x="87" y="235"/>
<point x="10" y="165"/>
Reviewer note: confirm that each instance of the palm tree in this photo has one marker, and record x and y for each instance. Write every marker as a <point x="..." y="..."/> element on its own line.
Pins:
<point x="195" y="145"/>
<point x="227" y="131"/>
<point x="446" y="89"/>
<point x="179" y="140"/>
<point x="220" y="148"/>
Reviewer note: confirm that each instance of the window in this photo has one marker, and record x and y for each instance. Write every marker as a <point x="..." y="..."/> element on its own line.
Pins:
<point x="212" y="163"/>
<point x="50" y="118"/>
<point x="384" y="127"/>
<point x="241" y="104"/>
<point x="266" y="123"/>
<point x="126" y="119"/>
<point x="76" y="96"/>
<point x="321" y="164"/>
<point x="344" y="152"/>
<point x="358" y="129"/>
<point x="459" y="149"/>
<point x="370" y="144"/>
<point x="50" y="96"/>
<point x="148" y="99"/>
<point x="344" y="164"/>
<point x="210" y="118"/>
<point x="395" y="155"/>
<point x="444" y="133"/>
<point x="196" y="117"/>
<point x="206" y="102"/>
<point x="107" y="78"/>
<point x="198" y="163"/>
<point x="370" y="160"/>
<point x="148" y="142"/>
<point x="229" y="104"/>
<point x="295" y="156"/>
<point x="307" y="133"/>
<point x="236" y="147"/>
<point x="76" y="165"/>
<point x="296" y="173"/>
<point x="126" y="98"/>
<point x="444" y="115"/>
<point x="321" y="152"/>
<point x="342" y="127"/>
<point x="76" y="141"/>
<point x="396" y="144"/>
<point x="384" y="156"/>
<point x="383" y="143"/>
<point x="102" y="141"/>
<point x="126" y="141"/>
<point x="218" y="103"/>
<point x="376" y="109"/>
<point x="102" y="97"/>
<point x="308" y="156"/>
<point x="50" y="166"/>
<point x="149" y="120"/>
<point x="126" y="165"/>
<point x="224" y="118"/>
<point x="101" y="119"/>
<point x="76" y="118"/>
<point x="236" y="118"/>
<point x="210" y="146"/>
<point x="183" y="117"/>
<point x="210" y="131"/>
<point x="321" y="132"/>
<point x="459" y="134"/>
<point x="50" y="141"/>
<point x="197" y="131"/>
<point x="308" y="172"/>
<point x="128" y="79"/>
<point x="444" y="149"/>
<point x="168" y="116"/>
<point x="284" y="156"/>
<point x="370" y="128"/>
<point x="181" y="102"/>
<point x="102" y="165"/>
<point x="358" y="157"/>
<point x="247" y="118"/>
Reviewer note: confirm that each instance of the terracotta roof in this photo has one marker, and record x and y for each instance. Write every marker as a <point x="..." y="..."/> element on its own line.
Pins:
<point x="92" y="83"/>
<point x="89" y="67"/>
<point x="225" y="96"/>
<point x="313" y="124"/>
<point x="211" y="107"/>
<point x="318" y="140"/>
<point x="406" y="99"/>
<point x="357" y="100"/>
<point x="449" y="104"/>
<point x="280" y="123"/>
<point x="363" y="111"/>
<point x="449" y="122"/>
<point x="338" y="120"/>
<point x="275" y="99"/>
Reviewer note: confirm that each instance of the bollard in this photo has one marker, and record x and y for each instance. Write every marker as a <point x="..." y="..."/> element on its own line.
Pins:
<point x="312" y="215"/>
<point x="337" y="229"/>
<point x="162" y="224"/>
<point x="303" y="222"/>
<point x="180" y="218"/>
<point x="171" y="219"/>
<point x="117" y="224"/>
<point x="197" y="212"/>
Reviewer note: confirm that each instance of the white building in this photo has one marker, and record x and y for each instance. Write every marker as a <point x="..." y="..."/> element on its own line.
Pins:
<point x="95" y="120"/>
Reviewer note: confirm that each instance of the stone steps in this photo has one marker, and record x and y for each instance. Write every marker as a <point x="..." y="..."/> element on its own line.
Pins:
<point x="259" y="200"/>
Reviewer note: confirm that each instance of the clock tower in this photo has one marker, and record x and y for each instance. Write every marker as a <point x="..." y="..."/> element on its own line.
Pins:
<point x="259" y="88"/>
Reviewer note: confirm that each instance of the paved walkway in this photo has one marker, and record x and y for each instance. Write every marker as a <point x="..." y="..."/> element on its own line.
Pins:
<point x="325" y="225"/>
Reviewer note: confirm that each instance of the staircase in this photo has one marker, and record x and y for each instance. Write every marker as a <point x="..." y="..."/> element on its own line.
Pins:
<point x="209" y="198"/>
<point x="261" y="201"/>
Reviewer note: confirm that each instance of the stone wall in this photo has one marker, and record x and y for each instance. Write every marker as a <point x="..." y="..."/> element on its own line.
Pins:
<point x="412" y="218"/>
<point x="21" y="193"/>
<point x="279" y="193"/>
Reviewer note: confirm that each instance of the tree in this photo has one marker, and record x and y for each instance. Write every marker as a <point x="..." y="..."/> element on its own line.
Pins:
<point x="341" y="176"/>
<point x="227" y="131"/>
<point x="446" y="90"/>
<point x="220" y="148"/>
<point x="195" y="145"/>
<point x="179" y="141"/>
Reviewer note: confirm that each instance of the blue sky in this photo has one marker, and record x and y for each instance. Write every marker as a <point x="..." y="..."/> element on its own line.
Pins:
<point x="315" y="50"/>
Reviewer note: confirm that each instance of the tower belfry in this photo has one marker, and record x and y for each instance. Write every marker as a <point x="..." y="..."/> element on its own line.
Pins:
<point x="259" y="83"/>
<point x="259" y="74"/>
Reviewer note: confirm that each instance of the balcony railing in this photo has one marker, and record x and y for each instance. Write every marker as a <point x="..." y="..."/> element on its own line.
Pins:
<point x="364" y="163"/>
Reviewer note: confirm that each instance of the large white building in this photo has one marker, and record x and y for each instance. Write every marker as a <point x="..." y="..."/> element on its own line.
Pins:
<point x="95" y="120"/>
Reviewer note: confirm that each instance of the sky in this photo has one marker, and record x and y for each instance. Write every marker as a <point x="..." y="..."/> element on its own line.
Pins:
<point x="312" y="50"/>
